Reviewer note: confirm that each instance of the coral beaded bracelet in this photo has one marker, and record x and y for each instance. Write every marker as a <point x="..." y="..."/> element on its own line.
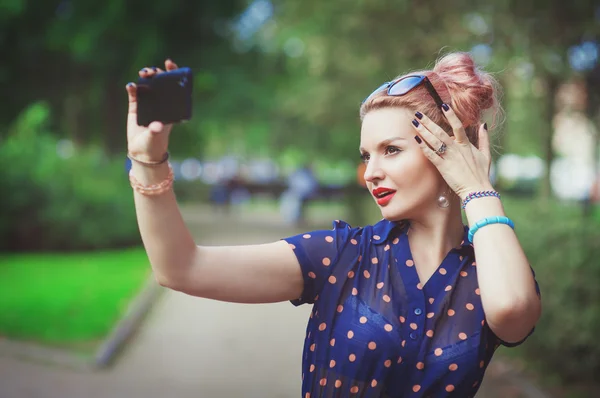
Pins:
<point x="154" y="189"/>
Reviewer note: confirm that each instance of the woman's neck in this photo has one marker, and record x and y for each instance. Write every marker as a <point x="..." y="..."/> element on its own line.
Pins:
<point x="432" y="237"/>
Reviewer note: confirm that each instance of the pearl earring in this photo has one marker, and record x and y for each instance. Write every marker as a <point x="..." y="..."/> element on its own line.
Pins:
<point x="443" y="201"/>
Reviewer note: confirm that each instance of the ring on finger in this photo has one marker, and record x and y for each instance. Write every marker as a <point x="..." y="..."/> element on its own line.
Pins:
<point x="441" y="149"/>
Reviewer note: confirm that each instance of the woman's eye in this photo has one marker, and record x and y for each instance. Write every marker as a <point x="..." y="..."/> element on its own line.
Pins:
<point x="364" y="157"/>
<point x="390" y="150"/>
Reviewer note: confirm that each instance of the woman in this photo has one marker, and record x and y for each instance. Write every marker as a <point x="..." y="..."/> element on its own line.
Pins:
<point x="401" y="308"/>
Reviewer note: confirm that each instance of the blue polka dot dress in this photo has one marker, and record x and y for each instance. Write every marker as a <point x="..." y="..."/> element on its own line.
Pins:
<point x="375" y="330"/>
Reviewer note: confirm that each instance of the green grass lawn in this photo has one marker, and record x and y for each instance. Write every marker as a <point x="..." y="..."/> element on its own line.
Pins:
<point x="68" y="299"/>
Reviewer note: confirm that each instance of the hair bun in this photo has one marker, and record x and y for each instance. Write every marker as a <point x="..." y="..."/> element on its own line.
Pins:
<point x="471" y="89"/>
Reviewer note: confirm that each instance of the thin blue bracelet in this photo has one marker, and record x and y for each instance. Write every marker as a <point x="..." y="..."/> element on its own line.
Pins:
<point x="480" y="194"/>
<point x="489" y="221"/>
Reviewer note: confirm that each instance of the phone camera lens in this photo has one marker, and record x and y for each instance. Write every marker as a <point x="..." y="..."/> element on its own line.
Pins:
<point x="183" y="81"/>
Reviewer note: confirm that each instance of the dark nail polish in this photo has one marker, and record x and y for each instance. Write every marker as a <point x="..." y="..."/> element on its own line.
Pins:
<point x="415" y="123"/>
<point x="418" y="139"/>
<point x="143" y="70"/>
<point x="485" y="126"/>
<point x="445" y="107"/>
<point x="419" y="115"/>
<point x="129" y="84"/>
<point x="154" y="68"/>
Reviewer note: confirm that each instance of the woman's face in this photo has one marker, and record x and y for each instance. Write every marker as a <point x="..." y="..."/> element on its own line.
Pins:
<point x="403" y="182"/>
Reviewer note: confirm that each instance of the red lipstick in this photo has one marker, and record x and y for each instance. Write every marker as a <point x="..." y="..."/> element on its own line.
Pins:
<point x="383" y="195"/>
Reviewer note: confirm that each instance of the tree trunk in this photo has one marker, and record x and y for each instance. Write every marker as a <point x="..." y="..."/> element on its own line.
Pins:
<point x="552" y="84"/>
<point x="115" y="117"/>
<point x="498" y="144"/>
<point x="72" y="113"/>
<point x="593" y="113"/>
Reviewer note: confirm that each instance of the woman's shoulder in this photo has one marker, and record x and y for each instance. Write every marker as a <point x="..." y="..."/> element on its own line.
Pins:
<point x="376" y="233"/>
<point x="343" y="233"/>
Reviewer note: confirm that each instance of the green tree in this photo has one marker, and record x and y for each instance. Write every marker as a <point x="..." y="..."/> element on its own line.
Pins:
<point x="79" y="55"/>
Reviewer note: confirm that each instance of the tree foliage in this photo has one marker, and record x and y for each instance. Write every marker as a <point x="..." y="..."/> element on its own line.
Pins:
<point x="294" y="84"/>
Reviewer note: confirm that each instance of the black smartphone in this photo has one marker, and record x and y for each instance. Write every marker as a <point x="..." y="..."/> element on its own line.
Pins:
<point x="165" y="97"/>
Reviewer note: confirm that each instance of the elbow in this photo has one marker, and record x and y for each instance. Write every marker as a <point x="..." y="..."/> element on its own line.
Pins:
<point x="513" y="320"/>
<point x="173" y="273"/>
<point x="508" y="311"/>
<point x="168" y="282"/>
<point x="162" y="280"/>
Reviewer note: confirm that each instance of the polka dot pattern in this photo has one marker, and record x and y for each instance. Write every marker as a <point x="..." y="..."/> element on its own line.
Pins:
<point x="376" y="325"/>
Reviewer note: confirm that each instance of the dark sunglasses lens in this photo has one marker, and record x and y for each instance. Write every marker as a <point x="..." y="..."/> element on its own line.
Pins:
<point x="405" y="85"/>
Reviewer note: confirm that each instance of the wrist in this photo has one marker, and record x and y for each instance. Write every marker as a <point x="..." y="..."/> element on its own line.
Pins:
<point x="156" y="189"/>
<point x="150" y="175"/>
<point x="481" y="208"/>
<point x="464" y="193"/>
<point x="148" y="160"/>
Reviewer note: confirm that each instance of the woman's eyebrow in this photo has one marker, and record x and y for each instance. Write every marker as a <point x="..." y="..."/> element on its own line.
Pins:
<point x="385" y="142"/>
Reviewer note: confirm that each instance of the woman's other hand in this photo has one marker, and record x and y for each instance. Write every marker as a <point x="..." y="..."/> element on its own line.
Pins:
<point x="148" y="144"/>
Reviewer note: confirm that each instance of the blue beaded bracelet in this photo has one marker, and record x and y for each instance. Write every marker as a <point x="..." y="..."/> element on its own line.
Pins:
<point x="481" y="194"/>
<point x="489" y="221"/>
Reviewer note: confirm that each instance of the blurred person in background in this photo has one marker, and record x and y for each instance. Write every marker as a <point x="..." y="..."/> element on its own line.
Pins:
<point x="220" y="196"/>
<point x="413" y="306"/>
<point x="302" y="186"/>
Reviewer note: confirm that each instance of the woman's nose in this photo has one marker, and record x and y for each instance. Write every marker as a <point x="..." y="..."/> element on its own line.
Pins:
<point x="373" y="172"/>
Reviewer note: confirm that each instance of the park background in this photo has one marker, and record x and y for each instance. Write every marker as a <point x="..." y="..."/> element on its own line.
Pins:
<point x="277" y="85"/>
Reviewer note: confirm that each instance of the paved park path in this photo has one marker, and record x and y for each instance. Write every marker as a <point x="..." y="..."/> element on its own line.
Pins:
<point x="191" y="347"/>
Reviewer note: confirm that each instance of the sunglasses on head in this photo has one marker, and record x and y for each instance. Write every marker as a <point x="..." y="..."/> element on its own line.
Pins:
<point x="404" y="85"/>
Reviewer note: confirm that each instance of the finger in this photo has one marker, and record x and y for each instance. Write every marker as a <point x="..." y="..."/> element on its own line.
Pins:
<point x="132" y="94"/>
<point x="428" y="152"/>
<point x="156" y="127"/>
<point x="457" y="126"/>
<point x="426" y="135"/>
<point x="170" y="65"/>
<point x="145" y="72"/>
<point x="149" y="71"/>
<point x="484" y="141"/>
<point x="436" y="130"/>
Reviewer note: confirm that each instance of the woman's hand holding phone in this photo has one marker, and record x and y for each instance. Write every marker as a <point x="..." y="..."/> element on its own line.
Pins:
<point x="148" y="144"/>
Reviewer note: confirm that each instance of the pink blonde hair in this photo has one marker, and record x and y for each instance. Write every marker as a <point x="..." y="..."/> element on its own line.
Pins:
<point x="460" y="83"/>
